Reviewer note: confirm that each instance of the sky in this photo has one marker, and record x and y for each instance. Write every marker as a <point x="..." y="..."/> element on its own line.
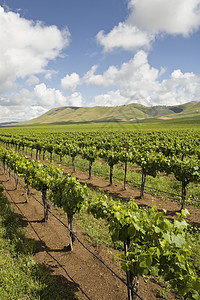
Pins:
<point x="97" y="52"/>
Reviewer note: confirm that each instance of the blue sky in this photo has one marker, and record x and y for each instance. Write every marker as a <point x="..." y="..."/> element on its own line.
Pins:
<point x="89" y="52"/>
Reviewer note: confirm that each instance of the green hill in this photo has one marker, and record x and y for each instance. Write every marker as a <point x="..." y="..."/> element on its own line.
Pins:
<point x="129" y="112"/>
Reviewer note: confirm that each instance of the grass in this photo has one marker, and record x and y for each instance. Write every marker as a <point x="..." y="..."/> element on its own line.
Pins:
<point x="20" y="276"/>
<point x="96" y="229"/>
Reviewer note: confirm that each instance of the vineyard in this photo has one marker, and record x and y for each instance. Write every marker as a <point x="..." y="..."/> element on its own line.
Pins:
<point x="153" y="245"/>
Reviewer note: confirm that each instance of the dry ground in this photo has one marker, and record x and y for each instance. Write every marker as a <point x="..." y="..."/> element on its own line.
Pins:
<point x="78" y="269"/>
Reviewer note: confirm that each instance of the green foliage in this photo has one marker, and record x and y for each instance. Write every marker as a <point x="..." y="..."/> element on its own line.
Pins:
<point x="43" y="176"/>
<point x="69" y="194"/>
<point x="157" y="246"/>
<point x="187" y="169"/>
<point x="150" y="163"/>
<point x="65" y="190"/>
<point x="111" y="157"/>
<point x="193" y="240"/>
<point x="89" y="153"/>
<point x="155" y="243"/>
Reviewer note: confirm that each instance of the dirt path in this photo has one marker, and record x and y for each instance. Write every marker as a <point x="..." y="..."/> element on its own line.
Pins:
<point x="79" y="270"/>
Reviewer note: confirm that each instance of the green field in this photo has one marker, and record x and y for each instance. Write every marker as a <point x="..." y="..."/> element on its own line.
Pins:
<point x="158" y="147"/>
<point x="192" y="122"/>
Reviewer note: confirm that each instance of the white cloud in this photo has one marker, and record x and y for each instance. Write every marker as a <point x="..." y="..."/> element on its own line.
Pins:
<point x="41" y="95"/>
<point x="75" y="99"/>
<point x="24" y="97"/>
<point x="20" y="113"/>
<point x="48" y="96"/>
<point x="26" y="47"/>
<point x="124" y="36"/>
<point x="106" y="79"/>
<point x="171" y="17"/>
<point x="148" y="19"/>
<point x="70" y="82"/>
<point x="178" y="89"/>
<point x="112" y="98"/>
<point x="131" y="77"/>
<point x="138" y="82"/>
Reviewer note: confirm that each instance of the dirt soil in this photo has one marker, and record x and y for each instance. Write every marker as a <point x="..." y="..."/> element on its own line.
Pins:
<point x="79" y="269"/>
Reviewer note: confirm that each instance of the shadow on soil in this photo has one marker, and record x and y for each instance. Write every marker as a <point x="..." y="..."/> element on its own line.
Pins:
<point x="53" y="286"/>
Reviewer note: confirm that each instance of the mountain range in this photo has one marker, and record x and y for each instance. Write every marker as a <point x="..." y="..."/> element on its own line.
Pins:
<point x="130" y="112"/>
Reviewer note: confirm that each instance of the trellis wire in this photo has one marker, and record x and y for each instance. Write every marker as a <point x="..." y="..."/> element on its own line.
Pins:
<point x="85" y="247"/>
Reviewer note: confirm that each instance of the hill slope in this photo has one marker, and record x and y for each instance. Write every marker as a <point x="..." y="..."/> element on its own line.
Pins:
<point x="118" y="113"/>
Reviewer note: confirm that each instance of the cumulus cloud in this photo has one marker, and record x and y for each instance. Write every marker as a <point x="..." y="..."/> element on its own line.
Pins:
<point x="112" y="98"/>
<point x="138" y="82"/>
<point x="105" y="79"/>
<point x="20" y="113"/>
<point x="148" y="19"/>
<point x="124" y="36"/>
<point x="135" y="72"/>
<point x="41" y="95"/>
<point x="48" y="96"/>
<point x="24" y="97"/>
<point x="28" y="53"/>
<point x="178" y="89"/>
<point x="171" y="17"/>
<point x="70" y="82"/>
<point x="75" y="99"/>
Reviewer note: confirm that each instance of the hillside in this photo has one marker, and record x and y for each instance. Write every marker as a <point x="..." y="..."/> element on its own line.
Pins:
<point x="118" y="113"/>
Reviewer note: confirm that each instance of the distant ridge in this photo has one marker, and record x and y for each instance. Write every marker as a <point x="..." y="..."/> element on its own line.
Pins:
<point x="7" y="123"/>
<point x="130" y="112"/>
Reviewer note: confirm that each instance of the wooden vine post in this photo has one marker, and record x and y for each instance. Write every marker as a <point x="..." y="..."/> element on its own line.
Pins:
<point x="45" y="203"/>
<point x="73" y="164"/>
<point x="144" y="178"/>
<point x="125" y="165"/>
<point x="111" y="174"/>
<point x="90" y="153"/>
<point x="90" y="168"/>
<point x="125" y="174"/>
<point x="185" y="171"/>
<point x="27" y="189"/>
<point x="71" y="233"/>
<point x="9" y="171"/>
<point x="16" y="180"/>
<point x="184" y="192"/>
<point x="129" y="274"/>
<point x="112" y="158"/>
<point x="68" y="193"/>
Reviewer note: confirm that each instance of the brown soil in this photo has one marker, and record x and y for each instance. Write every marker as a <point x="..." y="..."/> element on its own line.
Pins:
<point x="78" y="269"/>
